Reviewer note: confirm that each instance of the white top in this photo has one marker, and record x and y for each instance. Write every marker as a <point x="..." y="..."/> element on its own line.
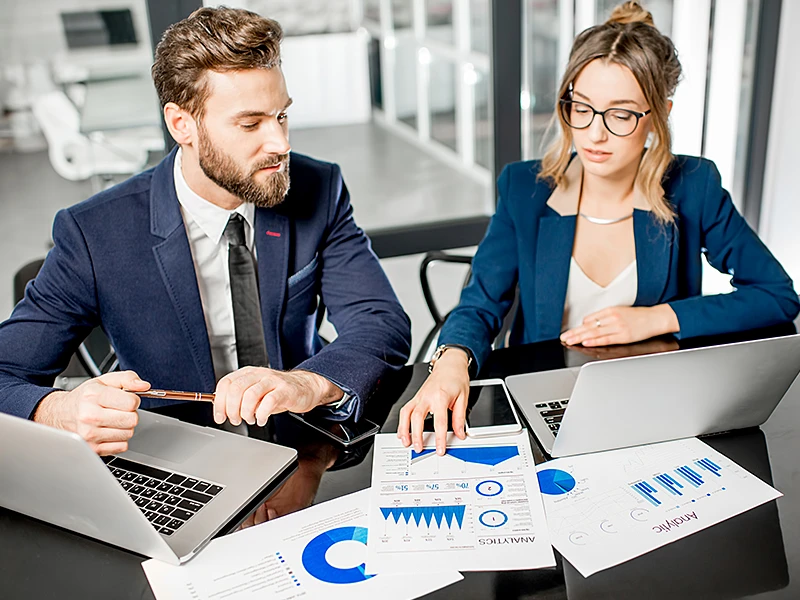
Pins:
<point x="585" y="297"/>
<point x="205" y="227"/>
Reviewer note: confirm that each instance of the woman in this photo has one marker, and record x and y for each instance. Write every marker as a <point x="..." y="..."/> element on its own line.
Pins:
<point x="604" y="236"/>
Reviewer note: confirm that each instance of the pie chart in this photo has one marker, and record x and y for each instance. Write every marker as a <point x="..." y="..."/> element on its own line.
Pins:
<point x="555" y="482"/>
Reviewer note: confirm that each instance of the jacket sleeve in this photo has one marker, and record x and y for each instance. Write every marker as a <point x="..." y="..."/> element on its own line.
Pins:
<point x="763" y="294"/>
<point x="46" y="327"/>
<point x="477" y="319"/>
<point x="373" y="331"/>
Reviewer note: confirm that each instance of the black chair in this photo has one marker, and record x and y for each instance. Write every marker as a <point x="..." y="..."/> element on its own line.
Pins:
<point x="429" y="343"/>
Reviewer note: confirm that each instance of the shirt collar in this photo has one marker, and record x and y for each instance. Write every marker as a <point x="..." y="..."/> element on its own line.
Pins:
<point x="211" y="219"/>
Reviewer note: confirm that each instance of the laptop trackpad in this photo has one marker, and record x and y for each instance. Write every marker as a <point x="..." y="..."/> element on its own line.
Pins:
<point x="168" y="442"/>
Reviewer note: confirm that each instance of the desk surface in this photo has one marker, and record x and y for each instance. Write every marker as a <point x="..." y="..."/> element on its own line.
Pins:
<point x="121" y="103"/>
<point x="756" y="554"/>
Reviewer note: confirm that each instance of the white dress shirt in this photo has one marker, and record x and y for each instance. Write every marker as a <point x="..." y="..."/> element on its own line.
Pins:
<point x="205" y="227"/>
<point x="585" y="297"/>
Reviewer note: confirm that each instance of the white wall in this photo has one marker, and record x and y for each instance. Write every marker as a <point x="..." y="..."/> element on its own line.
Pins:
<point x="780" y="209"/>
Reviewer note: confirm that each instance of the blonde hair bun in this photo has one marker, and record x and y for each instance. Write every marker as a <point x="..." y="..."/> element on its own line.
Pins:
<point x="631" y="12"/>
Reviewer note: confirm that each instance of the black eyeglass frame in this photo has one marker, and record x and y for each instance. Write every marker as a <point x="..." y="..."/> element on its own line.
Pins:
<point x="639" y="115"/>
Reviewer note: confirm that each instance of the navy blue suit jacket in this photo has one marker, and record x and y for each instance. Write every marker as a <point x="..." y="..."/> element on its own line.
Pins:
<point x="529" y="244"/>
<point x="122" y="261"/>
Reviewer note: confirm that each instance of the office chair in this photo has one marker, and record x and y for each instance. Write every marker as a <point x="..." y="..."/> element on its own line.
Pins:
<point x="429" y="343"/>
<point x="75" y="156"/>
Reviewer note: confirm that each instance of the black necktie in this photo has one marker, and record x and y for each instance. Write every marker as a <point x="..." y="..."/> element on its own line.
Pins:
<point x="251" y="350"/>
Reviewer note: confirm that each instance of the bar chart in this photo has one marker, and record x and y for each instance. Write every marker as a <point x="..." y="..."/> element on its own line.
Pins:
<point x="651" y="489"/>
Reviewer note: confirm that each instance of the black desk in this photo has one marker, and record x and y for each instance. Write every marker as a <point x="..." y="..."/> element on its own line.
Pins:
<point x="756" y="554"/>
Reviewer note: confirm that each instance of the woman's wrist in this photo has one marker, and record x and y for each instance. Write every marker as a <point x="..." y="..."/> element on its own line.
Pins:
<point x="452" y="358"/>
<point x="666" y="318"/>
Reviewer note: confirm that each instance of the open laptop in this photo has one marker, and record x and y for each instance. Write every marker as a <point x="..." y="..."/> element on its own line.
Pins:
<point x="644" y="399"/>
<point x="175" y="488"/>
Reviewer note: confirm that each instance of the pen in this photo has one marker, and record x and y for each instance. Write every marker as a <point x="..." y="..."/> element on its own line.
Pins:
<point x="174" y="395"/>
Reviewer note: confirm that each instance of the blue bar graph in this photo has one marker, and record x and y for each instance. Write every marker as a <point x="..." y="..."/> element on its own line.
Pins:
<point x="428" y="514"/>
<point x="646" y="491"/>
<point x="708" y="465"/>
<point x="669" y="484"/>
<point x="690" y="475"/>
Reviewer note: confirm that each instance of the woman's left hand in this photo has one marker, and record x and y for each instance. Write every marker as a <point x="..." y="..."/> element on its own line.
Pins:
<point x="623" y="325"/>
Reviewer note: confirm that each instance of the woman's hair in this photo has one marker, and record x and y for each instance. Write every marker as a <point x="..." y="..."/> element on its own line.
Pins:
<point x="629" y="38"/>
<point x="211" y="39"/>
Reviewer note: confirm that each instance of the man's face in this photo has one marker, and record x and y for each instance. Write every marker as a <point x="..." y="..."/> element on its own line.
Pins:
<point x="243" y="143"/>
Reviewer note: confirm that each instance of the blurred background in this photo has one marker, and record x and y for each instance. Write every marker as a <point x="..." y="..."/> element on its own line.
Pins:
<point x="421" y="102"/>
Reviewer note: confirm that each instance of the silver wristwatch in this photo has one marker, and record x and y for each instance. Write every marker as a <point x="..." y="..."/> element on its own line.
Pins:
<point x="442" y="349"/>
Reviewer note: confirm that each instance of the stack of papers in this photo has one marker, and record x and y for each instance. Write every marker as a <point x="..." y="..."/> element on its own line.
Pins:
<point x="484" y="506"/>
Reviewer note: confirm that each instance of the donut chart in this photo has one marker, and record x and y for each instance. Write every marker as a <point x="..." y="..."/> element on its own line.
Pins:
<point x="489" y="488"/>
<point x="317" y="565"/>
<point x="493" y="518"/>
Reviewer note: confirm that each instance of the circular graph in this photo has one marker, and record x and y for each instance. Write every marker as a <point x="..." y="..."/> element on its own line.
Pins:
<point x="493" y="518"/>
<point x="489" y="488"/>
<point x="317" y="565"/>
<point x="555" y="482"/>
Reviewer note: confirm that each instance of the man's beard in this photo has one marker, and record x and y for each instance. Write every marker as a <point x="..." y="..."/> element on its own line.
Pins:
<point x="222" y="170"/>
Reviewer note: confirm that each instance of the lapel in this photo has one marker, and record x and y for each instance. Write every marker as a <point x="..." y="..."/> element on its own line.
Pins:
<point x="553" y="252"/>
<point x="272" y="240"/>
<point x="653" y="251"/>
<point x="174" y="259"/>
<point x="554" y="249"/>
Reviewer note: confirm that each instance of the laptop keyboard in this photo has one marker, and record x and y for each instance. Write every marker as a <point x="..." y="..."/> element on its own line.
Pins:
<point x="552" y="413"/>
<point x="167" y="499"/>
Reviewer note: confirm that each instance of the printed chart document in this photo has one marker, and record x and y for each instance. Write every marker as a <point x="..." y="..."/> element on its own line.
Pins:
<point x="477" y="508"/>
<point x="315" y="553"/>
<point x="607" y="508"/>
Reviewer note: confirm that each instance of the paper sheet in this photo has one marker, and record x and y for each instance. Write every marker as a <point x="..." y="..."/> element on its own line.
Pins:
<point x="607" y="508"/>
<point x="477" y="508"/>
<point x="315" y="553"/>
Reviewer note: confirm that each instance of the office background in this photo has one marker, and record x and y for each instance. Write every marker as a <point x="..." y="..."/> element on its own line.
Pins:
<point x="419" y="101"/>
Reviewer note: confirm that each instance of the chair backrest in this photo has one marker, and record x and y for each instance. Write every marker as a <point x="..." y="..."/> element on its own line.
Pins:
<point x="69" y="151"/>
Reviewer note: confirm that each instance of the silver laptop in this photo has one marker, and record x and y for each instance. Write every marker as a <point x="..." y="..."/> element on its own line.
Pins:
<point x="175" y="488"/>
<point x="645" y="399"/>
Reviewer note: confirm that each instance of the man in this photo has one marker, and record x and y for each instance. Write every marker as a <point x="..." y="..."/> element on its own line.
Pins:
<point x="172" y="262"/>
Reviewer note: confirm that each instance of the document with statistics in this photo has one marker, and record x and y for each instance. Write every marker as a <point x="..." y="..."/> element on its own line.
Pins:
<point x="604" y="509"/>
<point x="315" y="553"/>
<point x="477" y="508"/>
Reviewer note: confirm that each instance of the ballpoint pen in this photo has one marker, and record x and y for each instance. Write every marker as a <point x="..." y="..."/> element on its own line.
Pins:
<point x="175" y="395"/>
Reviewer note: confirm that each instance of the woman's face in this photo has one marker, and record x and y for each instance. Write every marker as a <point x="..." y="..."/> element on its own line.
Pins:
<point x="609" y="85"/>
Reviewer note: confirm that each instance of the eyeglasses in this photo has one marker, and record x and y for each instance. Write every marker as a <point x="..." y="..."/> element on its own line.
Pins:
<point x="619" y="121"/>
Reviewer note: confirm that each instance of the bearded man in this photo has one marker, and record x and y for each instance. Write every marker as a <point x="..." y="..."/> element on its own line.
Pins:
<point x="206" y="272"/>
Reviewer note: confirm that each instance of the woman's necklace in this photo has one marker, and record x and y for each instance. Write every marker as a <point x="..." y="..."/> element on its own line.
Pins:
<point x="599" y="221"/>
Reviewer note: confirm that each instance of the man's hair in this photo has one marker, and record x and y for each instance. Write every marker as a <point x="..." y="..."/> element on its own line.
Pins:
<point x="211" y="39"/>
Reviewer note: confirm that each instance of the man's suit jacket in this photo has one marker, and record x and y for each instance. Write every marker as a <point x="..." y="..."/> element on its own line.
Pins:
<point x="529" y="244"/>
<point x="122" y="260"/>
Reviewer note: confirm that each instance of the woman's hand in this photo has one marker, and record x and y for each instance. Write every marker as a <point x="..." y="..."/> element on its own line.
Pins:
<point x="447" y="388"/>
<point x="623" y="325"/>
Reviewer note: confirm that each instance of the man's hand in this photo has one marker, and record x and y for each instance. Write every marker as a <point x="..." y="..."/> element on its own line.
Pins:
<point x="252" y="394"/>
<point x="98" y="410"/>
<point x="623" y="325"/>
<point x="447" y="388"/>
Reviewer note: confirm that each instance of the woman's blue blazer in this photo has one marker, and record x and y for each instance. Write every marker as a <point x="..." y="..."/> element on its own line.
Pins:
<point x="528" y="244"/>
